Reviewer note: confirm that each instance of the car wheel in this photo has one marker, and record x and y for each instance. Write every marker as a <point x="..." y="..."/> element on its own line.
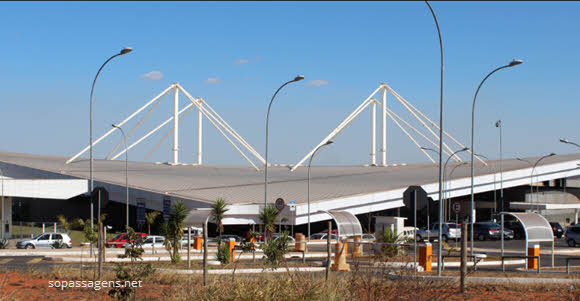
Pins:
<point x="571" y="243"/>
<point x="29" y="246"/>
<point x="444" y="238"/>
<point x="480" y="237"/>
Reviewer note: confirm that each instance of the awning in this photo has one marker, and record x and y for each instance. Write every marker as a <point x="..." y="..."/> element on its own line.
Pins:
<point x="347" y="223"/>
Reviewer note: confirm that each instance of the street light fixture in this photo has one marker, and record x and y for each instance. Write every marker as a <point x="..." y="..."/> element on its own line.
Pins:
<point x="126" y="175"/>
<point x="532" y="175"/>
<point x="472" y="207"/>
<point x="564" y="140"/>
<point x="440" y="139"/>
<point x="310" y="162"/>
<point x="296" y="79"/>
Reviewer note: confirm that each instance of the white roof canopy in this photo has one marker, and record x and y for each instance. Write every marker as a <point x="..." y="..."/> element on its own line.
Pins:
<point x="536" y="227"/>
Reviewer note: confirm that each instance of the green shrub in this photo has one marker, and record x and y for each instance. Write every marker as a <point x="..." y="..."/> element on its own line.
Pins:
<point x="275" y="249"/>
<point x="223" y="253"/>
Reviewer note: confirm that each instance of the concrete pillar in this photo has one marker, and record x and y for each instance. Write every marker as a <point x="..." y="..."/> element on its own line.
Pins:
<point x="175" y="125"/>
<point x="6" y="217"/>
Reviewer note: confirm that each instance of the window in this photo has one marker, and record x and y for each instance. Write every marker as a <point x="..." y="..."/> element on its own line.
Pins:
<point x="56" y="237"/>
<point x="44" y="237"/>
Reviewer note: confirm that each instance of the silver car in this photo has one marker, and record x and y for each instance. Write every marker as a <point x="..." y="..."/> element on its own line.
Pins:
<point x="450" y="231"/>
<point x="45" y="240"/>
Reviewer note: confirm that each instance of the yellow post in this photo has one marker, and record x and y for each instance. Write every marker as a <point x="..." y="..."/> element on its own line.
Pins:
<point x="197" y="242"/>
<point x="425" y="259"/>
<point x="300" y="242"/>
<point x="340" y="252"/>
<point x="357" y="247"/>
<point x="533" y="262"/>
<point x="232" y="246"/>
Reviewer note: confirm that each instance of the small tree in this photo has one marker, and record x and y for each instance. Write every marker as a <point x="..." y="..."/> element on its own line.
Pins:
<point x="275" y="249"/>
<point x="136" y="271"/>
<point x="392" y="238"/>
<point x="268" y="217"/>
<point x="173" y="229"/>
<point x="218" y="212"/>
<point x="150" y="218"/>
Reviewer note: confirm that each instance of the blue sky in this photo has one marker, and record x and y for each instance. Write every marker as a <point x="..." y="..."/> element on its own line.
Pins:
<point x="235" y="55"/>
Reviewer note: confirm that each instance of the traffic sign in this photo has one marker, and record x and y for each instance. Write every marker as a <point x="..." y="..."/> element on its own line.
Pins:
<point x="292" y="206"/>
<point x="456" y="207"/>
<point x="279" y="204"/>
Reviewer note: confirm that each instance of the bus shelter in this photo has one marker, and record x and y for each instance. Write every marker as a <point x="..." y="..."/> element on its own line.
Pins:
<point x="536" y="229"/>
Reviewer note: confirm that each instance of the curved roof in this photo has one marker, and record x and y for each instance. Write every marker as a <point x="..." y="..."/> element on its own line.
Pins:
<point x="537" y="228"/>
<point x="347" y="223"/>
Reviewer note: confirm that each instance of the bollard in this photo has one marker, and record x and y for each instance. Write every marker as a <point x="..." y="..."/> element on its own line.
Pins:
<point x="357" y="247"/>
<point x="340" y="253"/>
<point x="232" y="246"/>
<point x="197" y="242"/>
<point x="425" y="259"/>
<point x="300" y="245"/>
<point x="533" y="262"/>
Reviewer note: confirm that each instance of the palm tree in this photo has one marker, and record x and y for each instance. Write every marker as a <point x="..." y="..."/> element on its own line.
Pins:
<point x="218" y="212"/>
<point x="268" y="216"/>
<point x="150" y="218"/>
<point x="174" y="228"/>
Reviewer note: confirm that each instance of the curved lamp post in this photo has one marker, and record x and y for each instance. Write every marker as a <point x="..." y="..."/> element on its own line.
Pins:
<point x="123" y="51"/>
<point x="428" y="203"/>
<point x="126" y="174"/>
<point x="445" y="166"/>
<point x="447" y="198"/>
<point x="532" y="175"/>
<point x="564" y="140"/>
<point x="440" y="138"/>
<point x="472" y="207"/>
<point x="498" y="124"/>
<point x="310" y="162"/>
<point x="296" y="79"/>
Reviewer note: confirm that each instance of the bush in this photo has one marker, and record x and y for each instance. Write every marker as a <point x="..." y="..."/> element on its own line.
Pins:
<point x="223" y="253"/>
<point x="390" y="237"/>
<point x="275" y="249"/>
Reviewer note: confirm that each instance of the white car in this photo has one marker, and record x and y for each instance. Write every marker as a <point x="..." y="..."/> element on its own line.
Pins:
<point x="321" y="236"/>
<point x="45" y="240"/>
<point x="148" y="243"/>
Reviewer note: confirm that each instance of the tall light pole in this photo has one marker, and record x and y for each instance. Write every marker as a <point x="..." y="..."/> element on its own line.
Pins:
<point x="2" y="200"/>
<point x="440" y="139"/>
<point x="532" y="175"/>
<point x="428" y="202"/>
<point x="296" y="79"/>
<point x="446" y="186"/>
<point x="564" y="140"/>
<point x="126" y="175"/>
<point x="123" y="51"/>
<point x="310" y="162"/>
<point x="472" y="207"/>
<point x="498" y="124"/>
<point x="445" y="166"/>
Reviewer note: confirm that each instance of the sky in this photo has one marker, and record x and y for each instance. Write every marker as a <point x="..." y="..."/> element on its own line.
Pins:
<point x="236" y="54"/>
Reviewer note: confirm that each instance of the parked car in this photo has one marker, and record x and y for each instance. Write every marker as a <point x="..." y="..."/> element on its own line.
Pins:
<point x="557" y="229"/>
<point x="276" y="236"/>
<point x="486" y="230"/>
<point x="120" y="239"/>
<point x="45" y="240"/>
<point x="409" y="232"/>
<point x="508" y="233"/>
<point x="319" y="236"/>
<point x="148" y="243"/>
<point x="227" y="237"/>
<point x="572" y="235"/>
<point x="516" y="227"/>
<point x="368" y="237"/>
<point x="450" y="231"/>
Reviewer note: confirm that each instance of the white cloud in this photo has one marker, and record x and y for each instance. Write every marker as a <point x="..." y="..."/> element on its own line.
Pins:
<point x="153" y="75"/>
<point x="213" y="80"/>
<point x="317" y="83"/>
<point x="241" y="61"/>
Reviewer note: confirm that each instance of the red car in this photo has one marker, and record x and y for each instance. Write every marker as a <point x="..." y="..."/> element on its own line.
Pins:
<point x="119" y="240"/>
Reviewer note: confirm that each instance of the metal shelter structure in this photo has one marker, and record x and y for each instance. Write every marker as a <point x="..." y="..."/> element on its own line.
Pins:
<point x="536" y="227"/>
<point x="203" y="110"/>
<point x="347" y="224"/>
<point x="431" y="127"/>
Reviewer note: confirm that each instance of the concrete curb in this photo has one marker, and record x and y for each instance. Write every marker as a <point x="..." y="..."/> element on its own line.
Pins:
<point x="487" y="280"/>
<point x="245" y="271"/>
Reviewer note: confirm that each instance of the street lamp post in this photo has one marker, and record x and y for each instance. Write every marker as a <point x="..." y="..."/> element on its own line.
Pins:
<point x="447" y="188"/>
<point x="498" y="124"/>
<point x="440" y="139"/>
<point x="564" y="140"/>
<point x="296" y="79"/>
<point x="126" y="175"/>
<point x="429" y="203"/>
<point x="532" y="175"/>
<point x="445" y="168"/>
<point x="123" y="51"/>
<point x="2" y="200"/>
<point x="472" y="207"/>
<point x="308" y="194"/>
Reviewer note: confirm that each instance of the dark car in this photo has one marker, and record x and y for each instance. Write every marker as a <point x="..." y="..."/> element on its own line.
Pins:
<point x="486" y="230"/>
<point x="557" y="229"/>
<point x="226" y="237"/>
<point x="517" y="227"/>
<point x="572" y="235"/>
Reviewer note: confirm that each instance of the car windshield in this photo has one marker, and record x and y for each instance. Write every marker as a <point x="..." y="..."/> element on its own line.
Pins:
<point x="117" y="236"/>
<point x="37" y="236"/>
<point x="453" y="226"/>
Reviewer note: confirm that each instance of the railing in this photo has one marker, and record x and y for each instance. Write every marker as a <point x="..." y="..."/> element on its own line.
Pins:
<point x="22" y="229"/>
